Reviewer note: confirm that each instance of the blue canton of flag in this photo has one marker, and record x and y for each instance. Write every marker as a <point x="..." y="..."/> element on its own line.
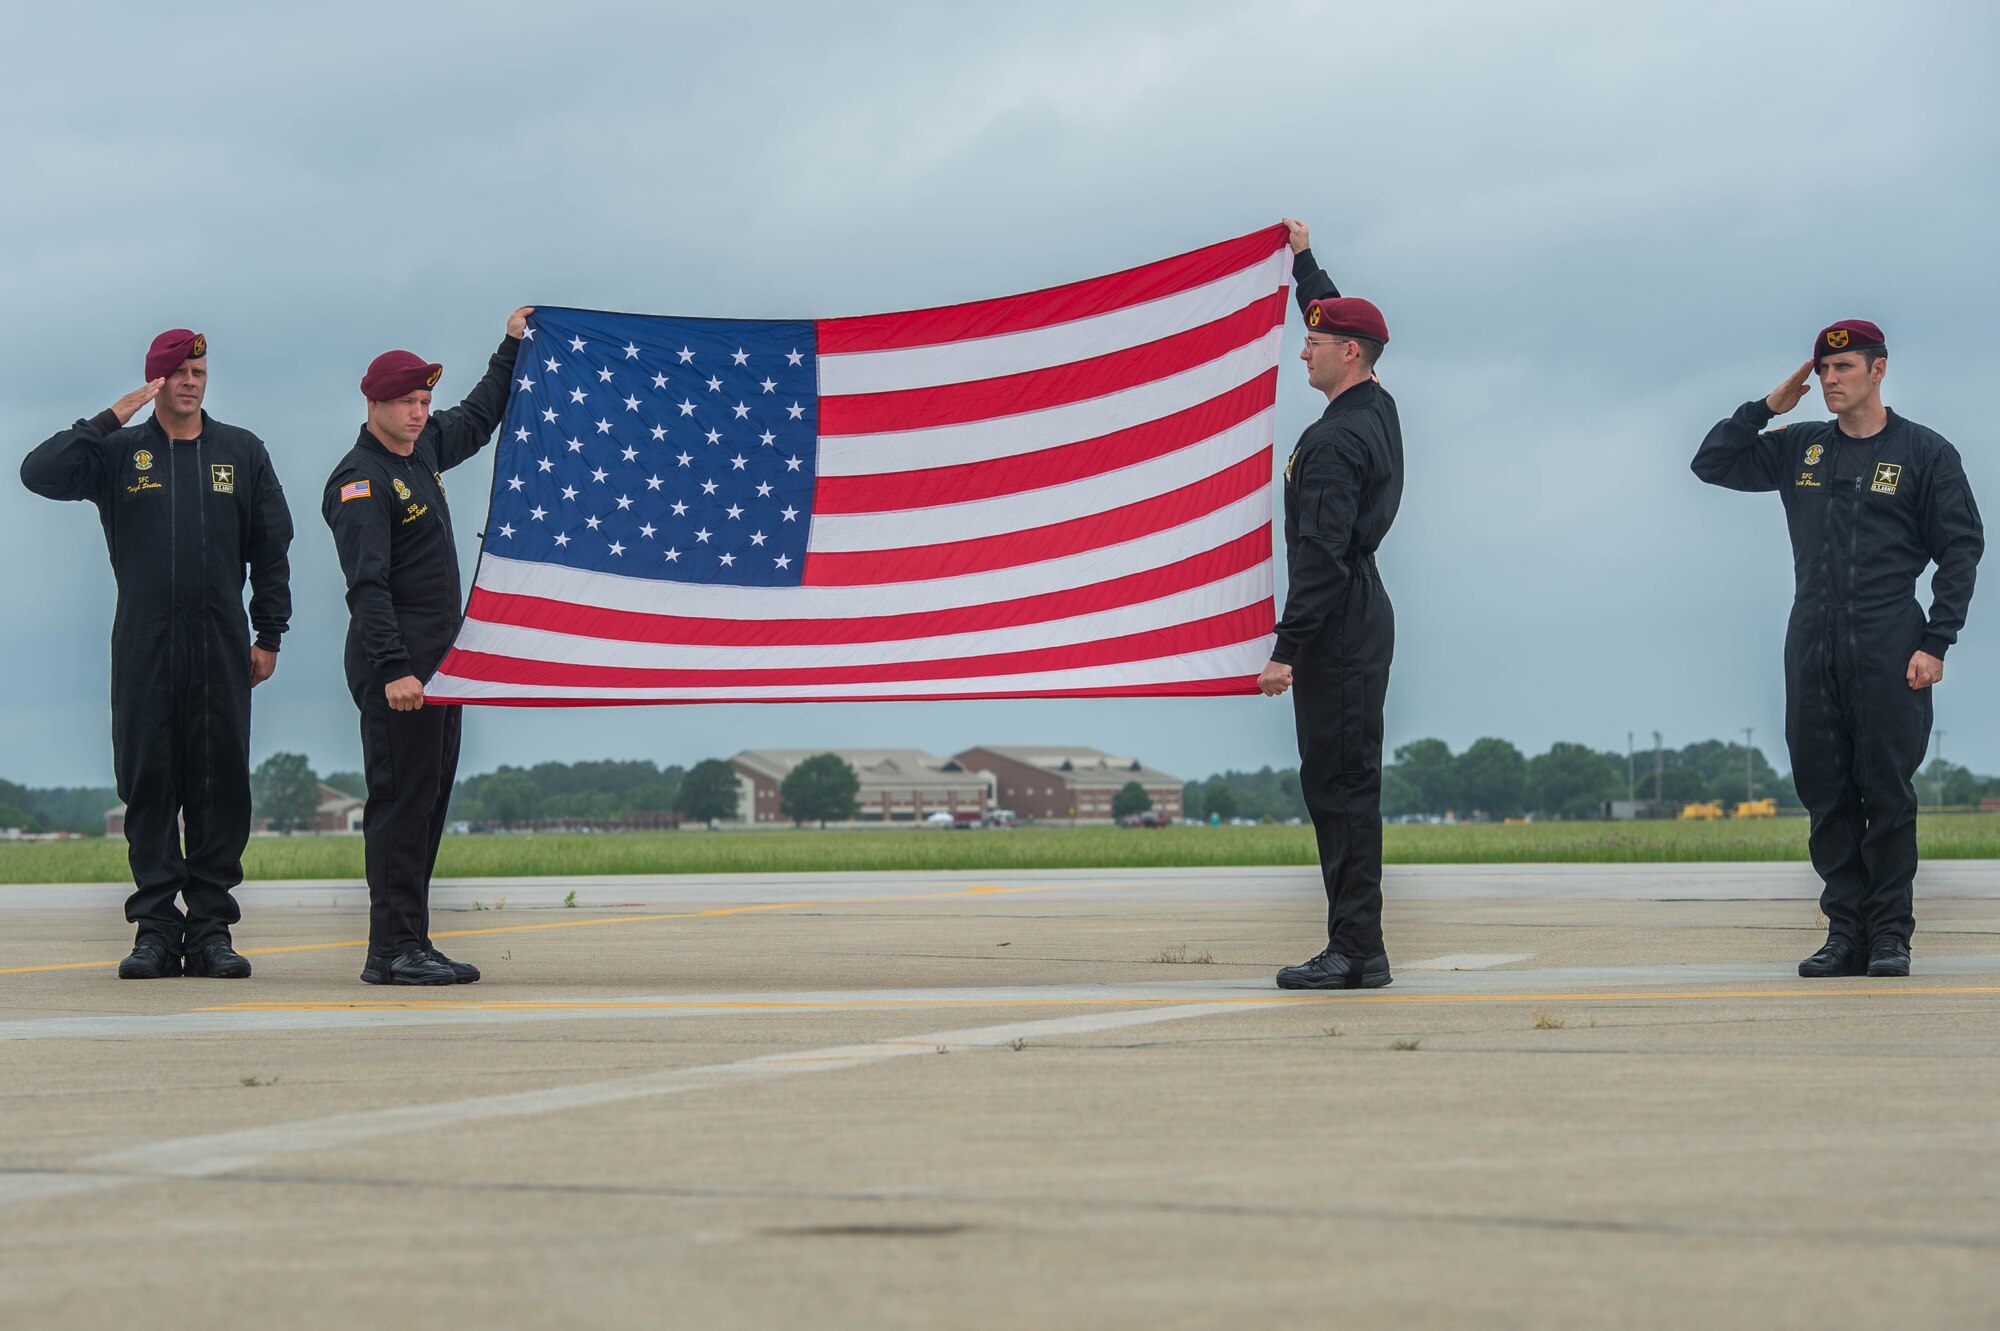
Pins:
<point x="674" y="449"/>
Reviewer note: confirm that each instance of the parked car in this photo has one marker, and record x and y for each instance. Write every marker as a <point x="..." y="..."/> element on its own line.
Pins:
<point x="1150" y="818"/>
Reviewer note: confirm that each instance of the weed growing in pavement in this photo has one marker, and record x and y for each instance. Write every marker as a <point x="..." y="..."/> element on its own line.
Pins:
<point x="1548" y="1021"/>
<point x="1179" y="956"/>
<point x="258" y="1081"/>
<point x="570" y="901"/>
<point x="1018" y="1044"/>
<point x="1407" y="1045"/>
<point x="1335" y="1032"/>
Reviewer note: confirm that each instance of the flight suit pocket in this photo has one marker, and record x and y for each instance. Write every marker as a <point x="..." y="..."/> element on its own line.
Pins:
<point x="1361" y="694"/>
<point x="376" y="744"/>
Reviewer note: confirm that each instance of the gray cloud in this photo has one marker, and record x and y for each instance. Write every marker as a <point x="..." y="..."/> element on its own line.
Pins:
<point x="1595" y="230"/>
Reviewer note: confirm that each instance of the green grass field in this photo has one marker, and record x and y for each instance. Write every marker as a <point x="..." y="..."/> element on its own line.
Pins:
<point x="1953" y="836"/>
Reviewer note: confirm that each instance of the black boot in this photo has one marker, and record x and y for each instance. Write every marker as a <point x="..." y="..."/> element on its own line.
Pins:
<point x="217" y="960"/>
<point x="415" y="966"/>
<point x="1889" y="956"/>
<point x="464" y="971"/>
<point x="151" y="959"/>
<point x="1337" y="970"/>
<point x="1840" y="956"/>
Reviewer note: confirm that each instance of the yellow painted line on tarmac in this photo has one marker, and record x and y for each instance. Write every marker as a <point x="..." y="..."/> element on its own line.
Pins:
<point x="980" y="891"/>
<point x="1342" y="996"/>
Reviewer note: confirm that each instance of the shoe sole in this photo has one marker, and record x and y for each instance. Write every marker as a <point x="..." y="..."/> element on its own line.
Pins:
<point x="1888" y="972"/>
<point x="366" y="978"/>
<point x="124" y="974"/>
<point x="1373" y="982"/>
<point x="231" y="973"/>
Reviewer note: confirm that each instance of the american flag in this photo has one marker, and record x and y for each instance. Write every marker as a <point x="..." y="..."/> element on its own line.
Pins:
<point x="1058" y="494"/>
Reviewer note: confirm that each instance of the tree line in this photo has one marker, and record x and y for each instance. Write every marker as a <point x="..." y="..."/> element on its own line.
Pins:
<point x="1492" y="778"/>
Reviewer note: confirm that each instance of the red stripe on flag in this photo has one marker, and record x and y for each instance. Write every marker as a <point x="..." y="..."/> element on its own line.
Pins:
<point x="1052" y="305"/>
<point x="1059" y="385"/>
<point x="534" y="612"/>
<point x="921" y="563"/>
<point x="1196" y="636"/>
<point x="896" y="491"/>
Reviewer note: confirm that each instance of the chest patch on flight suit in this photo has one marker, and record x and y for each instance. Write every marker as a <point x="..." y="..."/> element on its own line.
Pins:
<point x="1813" y="455"/>
<point x="1887" y="476"/>
<point x="142" y="460"/>
<point x="402" y="490"/>
<point x="222" y="477"/>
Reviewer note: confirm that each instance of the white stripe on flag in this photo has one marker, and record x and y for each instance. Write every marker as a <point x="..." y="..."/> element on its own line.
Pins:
<point x="1232" y="662"/>
<point x="1051" y="427"/>
<point x="900" y="529"/>
<point x="610" y="591"/>
<point x="1225" y="594"/>
<point x="1057" y="344"/>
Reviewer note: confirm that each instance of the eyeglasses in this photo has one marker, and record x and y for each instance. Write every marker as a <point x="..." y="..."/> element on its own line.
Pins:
<point x="1322" y="342"/>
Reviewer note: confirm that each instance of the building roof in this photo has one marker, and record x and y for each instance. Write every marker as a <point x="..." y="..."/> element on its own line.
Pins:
<point x="1076" y="765"/>
<point x="876" y="767"/>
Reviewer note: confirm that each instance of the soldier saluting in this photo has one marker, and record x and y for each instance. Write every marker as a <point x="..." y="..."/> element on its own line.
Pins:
<point x="187" y="504"/>
<point x="1871" y="500"/>
<point x="386" y="507"/>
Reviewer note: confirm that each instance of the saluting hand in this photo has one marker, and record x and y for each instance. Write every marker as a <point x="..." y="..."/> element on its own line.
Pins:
<point x="517" y="322"/>
<point x="1787" y="395"/>
<point x="125" y="408"/>
<point x="1925" y="670"/>
<point x="405" y="694"/>
<point x="1275" y="679"/>
<point x="1300" y="238"/>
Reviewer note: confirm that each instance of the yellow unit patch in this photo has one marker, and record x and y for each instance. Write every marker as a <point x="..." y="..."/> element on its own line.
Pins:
<point x="1813" y="455"/>
<point x="142" y="460"/>
<point x="402" y="490"/>
<point x="222" y="477"/>
<point x="1887" y="476"/>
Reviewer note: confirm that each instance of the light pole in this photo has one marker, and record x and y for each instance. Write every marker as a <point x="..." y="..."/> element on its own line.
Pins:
<point x="1749" y="770"/>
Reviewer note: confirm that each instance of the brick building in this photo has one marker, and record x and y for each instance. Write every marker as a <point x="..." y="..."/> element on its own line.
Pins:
<point x="897" y="785"/>
<point x="1072" y="782"/>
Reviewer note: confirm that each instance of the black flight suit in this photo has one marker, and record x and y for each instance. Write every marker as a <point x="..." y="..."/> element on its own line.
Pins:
<point x="182" y="521"/>
<point x="1343" y="485"/>
<point x="1866" y="517"/>
<point x="393" y="535"/>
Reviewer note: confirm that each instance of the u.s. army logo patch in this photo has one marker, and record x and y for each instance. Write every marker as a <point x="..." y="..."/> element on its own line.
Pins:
<point x="1887" y="476"/>
<point x="1813" y="455"/>
<point x="402" y="490"/>
<point x="222" y="477"/>
<point x="142" y="460"/>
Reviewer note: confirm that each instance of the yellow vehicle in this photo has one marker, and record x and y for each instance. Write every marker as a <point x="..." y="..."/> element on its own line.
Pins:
<point x="1757" y="809"/>
<point x="1703" y="811"/>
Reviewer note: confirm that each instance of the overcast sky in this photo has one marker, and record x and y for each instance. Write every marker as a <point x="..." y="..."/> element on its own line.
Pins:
<point x="1595" y="229"/>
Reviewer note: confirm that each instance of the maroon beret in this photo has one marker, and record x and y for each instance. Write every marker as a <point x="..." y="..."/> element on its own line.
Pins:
<point x="170" y="349"/>
<point x="1347" y="314"/>
<point x="394" y="373"/>
<point x="1848" y="335"/>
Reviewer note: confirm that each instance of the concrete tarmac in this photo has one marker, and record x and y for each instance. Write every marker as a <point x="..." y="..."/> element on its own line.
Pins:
<point x="1595" y="1095"/>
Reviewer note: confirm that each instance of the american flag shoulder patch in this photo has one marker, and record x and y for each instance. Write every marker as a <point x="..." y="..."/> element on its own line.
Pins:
<point x="353" y="490"/>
